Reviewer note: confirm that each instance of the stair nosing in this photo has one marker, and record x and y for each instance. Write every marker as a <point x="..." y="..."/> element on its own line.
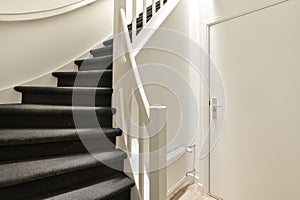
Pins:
<point x="53" y="135"/>
<point x="6" y="109"/>
<point x="81" y="73"/>
<point x="63" y="90"/>
<point x="9" y="175"/>
<point x="97" y="59"/>
<point x="120" y="180"/>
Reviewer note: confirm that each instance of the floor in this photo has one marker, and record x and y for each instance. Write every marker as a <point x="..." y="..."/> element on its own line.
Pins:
<point x="191" y="192"/>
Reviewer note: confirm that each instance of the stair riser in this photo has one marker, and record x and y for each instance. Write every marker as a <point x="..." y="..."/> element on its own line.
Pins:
<point x="32" y="151"/>
<point x="95" y="66"/>
<point x="105" y="81"/>
<point x="149" y="10"/>
<point x="123" y="196"/>
<point x="140" y="19"/>
<point x="102" y="52"/>
<point x="138" y="25"/>
<point x="149" y="15"/>
<point x="67" y="99"/>
<point x="55" y="121"/>
<point x="108" y="42"/>
<point x="39" y="187"/>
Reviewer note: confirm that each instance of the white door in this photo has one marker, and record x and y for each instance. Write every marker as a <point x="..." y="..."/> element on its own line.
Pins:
<point x="258" y="57"/>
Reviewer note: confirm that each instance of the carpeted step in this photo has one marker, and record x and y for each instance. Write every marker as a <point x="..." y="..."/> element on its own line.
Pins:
<point x="46" y="116"/>
<point x="108" y="42"/>
<point x="28" y="179"/>
<point x="104" y="51"/>
<point x="93" y="78"/>
<point x="100" y="63"/>
<point x="139" y="25"/>
<point x="138" y="30"/>
<point x="76" y="96"/>
<point x="157" y="5"/>
<point x="16" y="144"/>
<point x="149" y="15"/>
<point x="140" y="19"/>
<point x="149" y="9"/>
<point x="116" y="187"/>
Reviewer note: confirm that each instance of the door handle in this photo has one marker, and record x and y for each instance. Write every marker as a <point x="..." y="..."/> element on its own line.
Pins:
<point x="214" y="107"/>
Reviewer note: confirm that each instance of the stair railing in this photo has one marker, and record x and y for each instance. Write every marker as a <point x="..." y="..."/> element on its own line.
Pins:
<point x="152" y="180"/>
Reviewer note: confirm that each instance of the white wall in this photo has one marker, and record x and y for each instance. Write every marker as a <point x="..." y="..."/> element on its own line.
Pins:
<point x="35" y="48"/>
<point x="17" y="6"/>
<point x="178" y="20"/>
<point x="258" y="58"/>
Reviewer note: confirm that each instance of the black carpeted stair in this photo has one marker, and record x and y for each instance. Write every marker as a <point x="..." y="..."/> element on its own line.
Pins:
<point x="99" y="63"/>
<point x="17" y="144"/>
<point x="118" y="185"/>
<point x="43" y="152"/>
<point x="139" y="21"/>
<point x="105" y="51"/>
<point x="92" y="78"/>
<point x="48" y="116"/>
<point x="46" y="175"/>
<point x="65" y="96"/>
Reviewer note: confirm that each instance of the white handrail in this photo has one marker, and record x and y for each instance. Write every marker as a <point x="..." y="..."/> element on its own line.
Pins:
<point x="137" y="77"/>
<point x="148" y="31"/>
<point x="138" y="44"/>
<point x="153" y="117"/>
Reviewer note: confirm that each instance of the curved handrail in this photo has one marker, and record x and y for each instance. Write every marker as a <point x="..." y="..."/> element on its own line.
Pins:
<point x="133" y="63"/>
<point x="39" y="14"/>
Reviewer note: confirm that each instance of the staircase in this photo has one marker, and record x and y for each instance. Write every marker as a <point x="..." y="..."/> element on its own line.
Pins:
<point x="42" y="155"/>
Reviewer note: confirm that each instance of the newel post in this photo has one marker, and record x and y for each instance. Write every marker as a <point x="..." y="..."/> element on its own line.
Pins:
<point x="118" y="5"/>
<point x="118" y="63"/>
<point x="117" y="29"/>
<point x="158" y="142"/>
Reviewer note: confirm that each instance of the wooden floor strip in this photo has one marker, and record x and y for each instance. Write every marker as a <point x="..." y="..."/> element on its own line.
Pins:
<point x="191" y="192"/>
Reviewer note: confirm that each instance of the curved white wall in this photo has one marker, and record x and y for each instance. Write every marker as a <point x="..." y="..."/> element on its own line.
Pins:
<point x="32" y="49"/>
<point x="17" y="6"/>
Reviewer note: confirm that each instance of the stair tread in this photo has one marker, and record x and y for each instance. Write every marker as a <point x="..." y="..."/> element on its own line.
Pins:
<point x="23" y="109"/>
<point x="149" y="15"/>
<point x="102" y="190"/>
<point x="94" y="60"/>
<point x="11" y="137"/>
<point x="22" y="172"/>
<point x="63" y="90"/>
<point x="108" y="42"/>
<point x="106" y="50"/>
<point x="90" y="73"/>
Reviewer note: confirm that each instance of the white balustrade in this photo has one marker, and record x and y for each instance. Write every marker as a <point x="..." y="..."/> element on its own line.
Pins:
<point x="152" y="184"/>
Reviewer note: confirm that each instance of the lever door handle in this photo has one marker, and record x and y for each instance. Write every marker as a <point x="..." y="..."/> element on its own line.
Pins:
<point x="214" y="107"/>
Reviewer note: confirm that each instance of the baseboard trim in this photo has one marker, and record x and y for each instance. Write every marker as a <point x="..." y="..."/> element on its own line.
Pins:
<point x="177" y="186"/>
